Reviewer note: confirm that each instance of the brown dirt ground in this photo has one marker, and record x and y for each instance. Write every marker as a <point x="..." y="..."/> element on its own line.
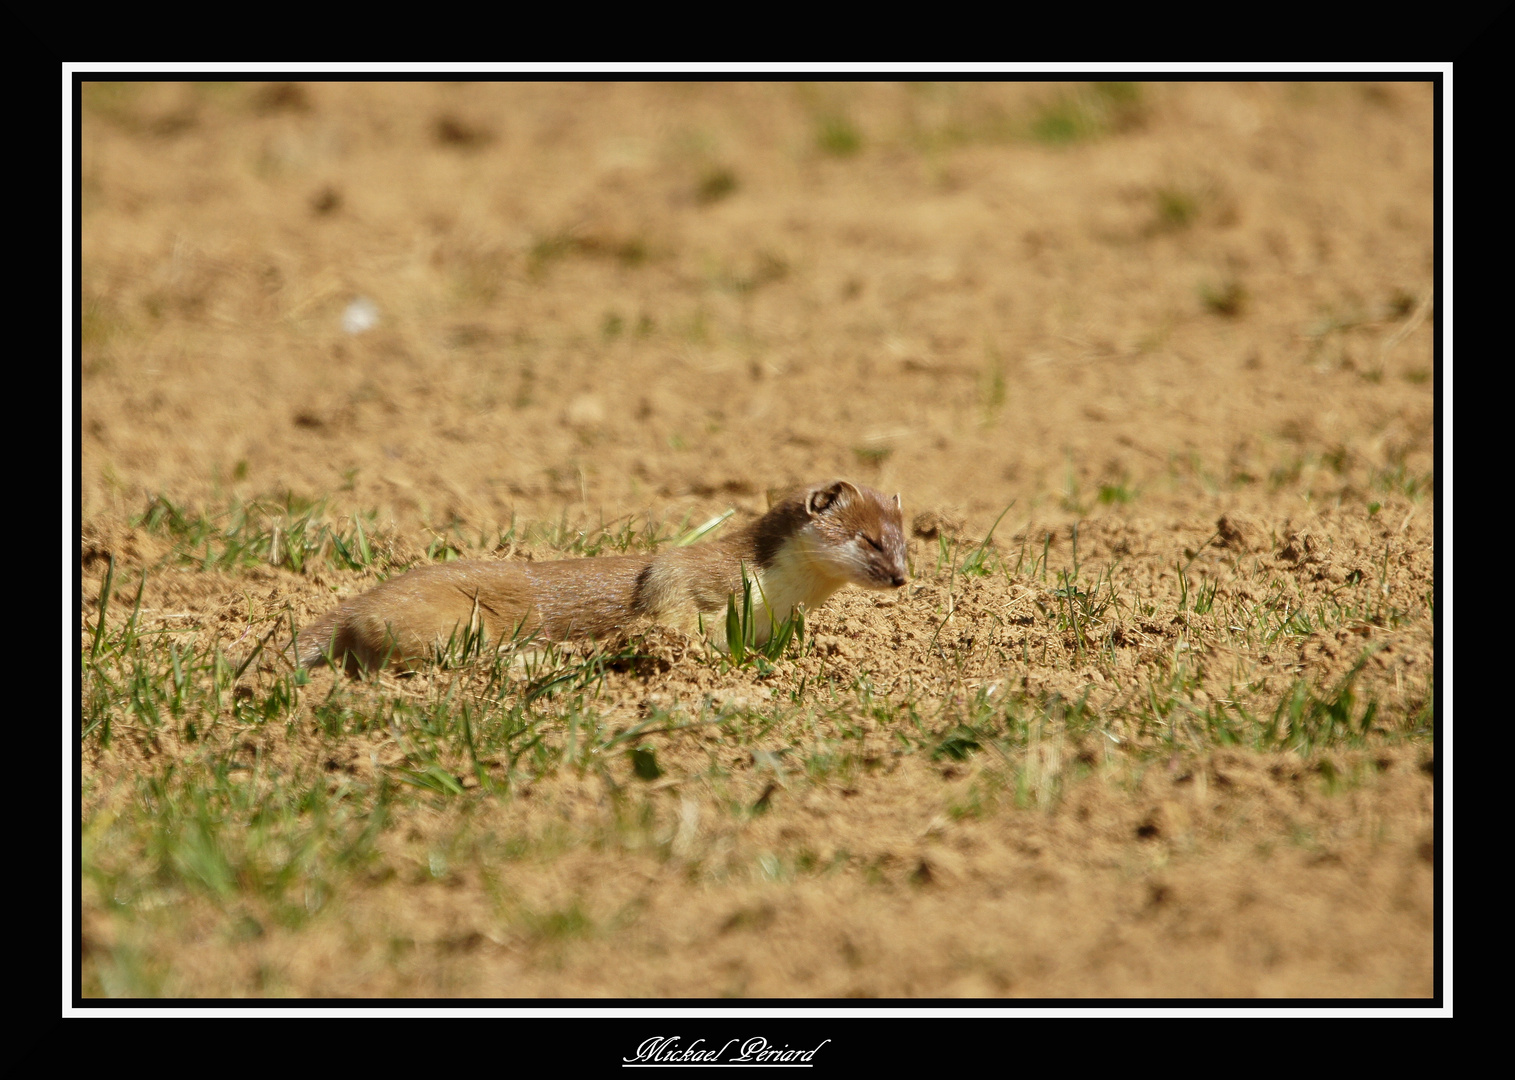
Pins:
<point x="1201" y="332"/>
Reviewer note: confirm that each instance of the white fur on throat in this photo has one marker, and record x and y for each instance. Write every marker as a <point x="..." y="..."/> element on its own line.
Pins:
<point x="797" y="575"/>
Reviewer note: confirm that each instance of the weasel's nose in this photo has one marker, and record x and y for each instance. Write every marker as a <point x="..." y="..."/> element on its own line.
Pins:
<point x="898" y="580"/>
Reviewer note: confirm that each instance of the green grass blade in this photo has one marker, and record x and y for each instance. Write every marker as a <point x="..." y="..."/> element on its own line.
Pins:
<point x="105" y="587"/>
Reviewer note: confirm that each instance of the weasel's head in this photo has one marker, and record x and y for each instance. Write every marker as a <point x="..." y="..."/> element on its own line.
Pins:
<point x="847" y="531"/>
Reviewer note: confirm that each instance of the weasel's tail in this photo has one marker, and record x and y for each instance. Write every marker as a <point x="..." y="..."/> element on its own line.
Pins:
<point x="317" y="640"/>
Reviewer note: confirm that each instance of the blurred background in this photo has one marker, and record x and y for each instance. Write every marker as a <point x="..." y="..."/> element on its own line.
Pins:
<point x="464" y="301"/>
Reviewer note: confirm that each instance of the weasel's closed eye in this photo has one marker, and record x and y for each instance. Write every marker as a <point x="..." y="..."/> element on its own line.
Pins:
<point x="874" y="544"/>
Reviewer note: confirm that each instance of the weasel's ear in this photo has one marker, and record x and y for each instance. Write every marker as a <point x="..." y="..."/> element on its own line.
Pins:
<point x="822" y="497"/>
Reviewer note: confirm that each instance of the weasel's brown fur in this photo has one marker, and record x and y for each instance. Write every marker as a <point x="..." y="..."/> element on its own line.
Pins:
<point x="810" y="543"/>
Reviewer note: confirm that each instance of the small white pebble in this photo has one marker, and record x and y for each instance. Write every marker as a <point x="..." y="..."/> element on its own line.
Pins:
<point x="362" y="314"/>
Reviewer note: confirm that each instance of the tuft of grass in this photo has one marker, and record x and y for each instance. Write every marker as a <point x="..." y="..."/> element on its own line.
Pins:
<point x="1309" y="718"/>
<point x="767" y="267"/>
<point x="630" y="252"/>
<point x="624" y="534"/>
<point x="1101" y="109"/>
<point x="1397" y="479"/>
<point x="1072" y="499"/>
<point x="718" y="182"/>
<point x="558" y="924"/>
<point x="744" y="620"/>
<point x="838" y="136"/>
<point x="1229" y="298"/>
<point x="1175" y="209"/>
<point x="977" y="562"/>
<point x="993" y="384"/>
<point x="226" y="826"/>
<point x="290" y="533"/>
<point x="1119" y="492"/>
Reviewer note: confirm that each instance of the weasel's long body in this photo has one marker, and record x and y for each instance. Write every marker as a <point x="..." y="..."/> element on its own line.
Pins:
<point x="808" y="545"/>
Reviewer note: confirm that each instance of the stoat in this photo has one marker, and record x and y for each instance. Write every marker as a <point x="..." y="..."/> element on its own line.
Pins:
<point x="810" y="543"/>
